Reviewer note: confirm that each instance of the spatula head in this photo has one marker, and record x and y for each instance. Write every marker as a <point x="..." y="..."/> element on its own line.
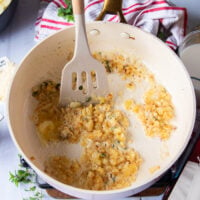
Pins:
<point x="82" y="80"/>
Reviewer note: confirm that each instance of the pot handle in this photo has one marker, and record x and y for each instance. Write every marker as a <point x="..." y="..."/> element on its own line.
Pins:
<point x="112" y="7"/>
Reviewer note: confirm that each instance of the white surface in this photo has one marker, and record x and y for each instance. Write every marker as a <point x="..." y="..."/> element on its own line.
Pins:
<point x="9" y="162"/>
<point x="15" y="41"/>
<point x="187" y="186"/>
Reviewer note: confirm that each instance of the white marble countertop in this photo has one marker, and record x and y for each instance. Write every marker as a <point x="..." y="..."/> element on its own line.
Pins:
<point x="15" y="42"/>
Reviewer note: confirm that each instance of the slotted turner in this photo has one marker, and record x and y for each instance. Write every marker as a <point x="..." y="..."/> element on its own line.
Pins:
<point x="83" y="76"/>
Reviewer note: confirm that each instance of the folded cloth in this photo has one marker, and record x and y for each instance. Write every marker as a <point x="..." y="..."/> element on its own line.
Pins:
<point x="187" y="186"/>
<point x="154" y="16"/>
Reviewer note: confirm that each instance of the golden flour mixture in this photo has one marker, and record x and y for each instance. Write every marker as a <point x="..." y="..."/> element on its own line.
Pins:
<point x="106" y="161"/>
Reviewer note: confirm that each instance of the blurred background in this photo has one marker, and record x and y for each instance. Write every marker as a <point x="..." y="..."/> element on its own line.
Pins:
<point x="18" y="37"/>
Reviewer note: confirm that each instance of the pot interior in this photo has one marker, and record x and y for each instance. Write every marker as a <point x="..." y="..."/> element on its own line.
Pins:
<point x="46" y="61"/>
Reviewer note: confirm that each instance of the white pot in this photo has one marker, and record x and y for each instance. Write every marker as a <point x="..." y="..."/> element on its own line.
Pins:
<point x="47" y="59"/>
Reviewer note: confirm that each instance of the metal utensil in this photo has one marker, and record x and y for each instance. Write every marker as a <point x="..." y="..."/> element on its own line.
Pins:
<point x="112" y="7"/>
<point x="83" y="76"/>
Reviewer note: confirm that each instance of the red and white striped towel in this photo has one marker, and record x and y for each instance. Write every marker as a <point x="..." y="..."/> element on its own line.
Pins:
<point x="148" y="15"/>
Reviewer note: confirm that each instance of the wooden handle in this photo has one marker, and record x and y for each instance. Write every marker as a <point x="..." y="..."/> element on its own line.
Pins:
<point x="78" y="6"/>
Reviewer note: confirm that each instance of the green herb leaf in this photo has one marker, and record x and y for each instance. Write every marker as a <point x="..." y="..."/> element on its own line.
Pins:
<point x="20" y="176"/>
<point x="25" y="176"/>
<point x="80" y="87"/>
<point x="103" y="155"/>
<point x="35" y="93"/>
<point x="66" y="13"/>
<point x="88" y="99"/>
<point x="33" y="188"/>
<point x="107" y="66"/>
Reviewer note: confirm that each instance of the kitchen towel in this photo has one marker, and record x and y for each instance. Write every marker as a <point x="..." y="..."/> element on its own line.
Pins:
<point x="187" y="186"/>
<point x="155" y="16"/>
